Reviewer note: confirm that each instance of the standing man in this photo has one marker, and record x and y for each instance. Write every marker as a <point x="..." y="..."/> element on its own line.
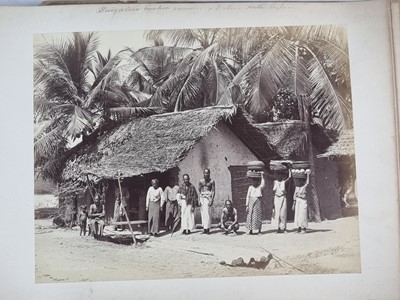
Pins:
<point x="153" y="199"/>
<point x="207" y="193"/>
<point x="96" y="216"/>
<point x="187" y="197"/>
<point x="171" y="206"/>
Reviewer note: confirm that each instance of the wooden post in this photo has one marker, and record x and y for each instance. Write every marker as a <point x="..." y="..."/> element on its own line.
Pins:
<point x="125" y="212"/>
<point x="314" y="212"/>
<point x="90" y="191"/>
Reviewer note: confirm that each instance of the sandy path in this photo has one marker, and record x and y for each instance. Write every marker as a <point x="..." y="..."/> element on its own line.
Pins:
<point x="329" y="247"/>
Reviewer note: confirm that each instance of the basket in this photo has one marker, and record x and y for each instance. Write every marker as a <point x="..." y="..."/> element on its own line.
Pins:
<point x="253" y="174"/>
<point x="276" y="165"/>
<point x="299" y="175"/>
<point x="255" y="165"/>
<point x="301" y="165"/>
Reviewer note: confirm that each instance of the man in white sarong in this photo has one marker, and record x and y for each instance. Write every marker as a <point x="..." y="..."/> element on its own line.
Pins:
<point x="187" y="197"/>
<point x="207" y="193"/>
<point x="153" y="200"/>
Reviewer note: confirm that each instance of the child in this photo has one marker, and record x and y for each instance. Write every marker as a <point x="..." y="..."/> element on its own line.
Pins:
<point x="300" y="205"/>
<point x="82" y="219"/>
<point x="280" y="202"/>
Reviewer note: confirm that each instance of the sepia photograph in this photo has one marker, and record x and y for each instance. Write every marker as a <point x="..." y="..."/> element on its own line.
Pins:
<point x="194" y="153"/>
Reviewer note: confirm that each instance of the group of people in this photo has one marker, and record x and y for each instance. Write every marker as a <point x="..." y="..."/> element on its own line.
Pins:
<point x="182" y="200"/>
<point x="95" y="215"/>
<point x="180" y="203"/>
<point x="299" y="203"/>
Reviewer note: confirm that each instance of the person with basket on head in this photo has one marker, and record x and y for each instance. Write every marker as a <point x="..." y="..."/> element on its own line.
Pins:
<point x="280" y="206"/>
<point x="300" y="204"/>
<point x="253" y="198"/>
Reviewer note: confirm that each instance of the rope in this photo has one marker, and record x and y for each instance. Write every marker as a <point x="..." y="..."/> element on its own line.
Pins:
<point x="276" y="257"/>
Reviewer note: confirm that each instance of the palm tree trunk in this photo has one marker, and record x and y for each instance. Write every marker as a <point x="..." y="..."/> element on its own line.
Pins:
<point x="314" y="212"/>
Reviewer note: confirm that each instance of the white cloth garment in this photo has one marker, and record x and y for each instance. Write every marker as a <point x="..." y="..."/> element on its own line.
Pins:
<point x="280" y="205"/>
<point x="205" y="209"/>
<point x="300" y="211"/>
<point x="187" y="222"/>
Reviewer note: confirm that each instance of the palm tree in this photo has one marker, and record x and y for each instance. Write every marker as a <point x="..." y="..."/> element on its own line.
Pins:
<point x="76" y="91"/>
<point x="257" y="63"/>
<point x="309" y="61"/>
<point x="197" y="79"/>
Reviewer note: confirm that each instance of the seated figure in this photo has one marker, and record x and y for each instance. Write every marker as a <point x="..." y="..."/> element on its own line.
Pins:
<point x="96" y="216"/>
<point x="229" y="221"/>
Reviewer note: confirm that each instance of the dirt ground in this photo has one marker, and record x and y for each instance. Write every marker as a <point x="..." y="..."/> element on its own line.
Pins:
<point x="63" y="256"/>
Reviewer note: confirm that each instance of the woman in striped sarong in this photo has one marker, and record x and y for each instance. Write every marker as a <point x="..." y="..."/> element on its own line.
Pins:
<point x="253" y="205"/>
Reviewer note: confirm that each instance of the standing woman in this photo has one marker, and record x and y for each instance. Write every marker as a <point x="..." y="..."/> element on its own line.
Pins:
<point x="253" y="204"/>
<point x="153" y="200"/>
<point x="300" y="205"/>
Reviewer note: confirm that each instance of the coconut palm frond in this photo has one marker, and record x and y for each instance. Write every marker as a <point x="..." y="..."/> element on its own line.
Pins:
<point x="139" y="96"/>
<point x="111" y="79"/>
<point x="161" y="61"/>
<point x="163" y="95"/>
<point x="113" y="96"/>
<point x="253" y="66"/>
<point x="44" y="108"/>
<point x="299" y="83"/>
<point x="185" y="37"/>
<point x="334" y="34"/>
<point x="335" y="59"/>
<point x="136" y="82"/>
<point x="188" y="93"/>
<point x="325" y="100"/>
<point x="49" y="143"/>
<point x="80" y="56"/>
<point x="80" y="121"/>
<point x="222" y="76"/>
<point x="53" y="81"/>
<point x="166" y="94"/>
<point x="103" y="66"/>
<point x="193" y="85"/>
<point x="54" y="54"/>
<point x="40" y="128"/>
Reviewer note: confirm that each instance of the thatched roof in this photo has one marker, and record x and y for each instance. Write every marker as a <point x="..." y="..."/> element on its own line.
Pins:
<point x="287" y="138"/>
<point x="343" y="147"/>
<point x="159" y="142"/>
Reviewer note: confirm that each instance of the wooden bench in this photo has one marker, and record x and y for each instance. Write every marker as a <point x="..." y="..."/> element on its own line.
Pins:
<point x="139" y="223"/>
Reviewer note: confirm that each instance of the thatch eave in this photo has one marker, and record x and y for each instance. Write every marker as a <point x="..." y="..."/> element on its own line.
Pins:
<point x="343" y="147"/>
